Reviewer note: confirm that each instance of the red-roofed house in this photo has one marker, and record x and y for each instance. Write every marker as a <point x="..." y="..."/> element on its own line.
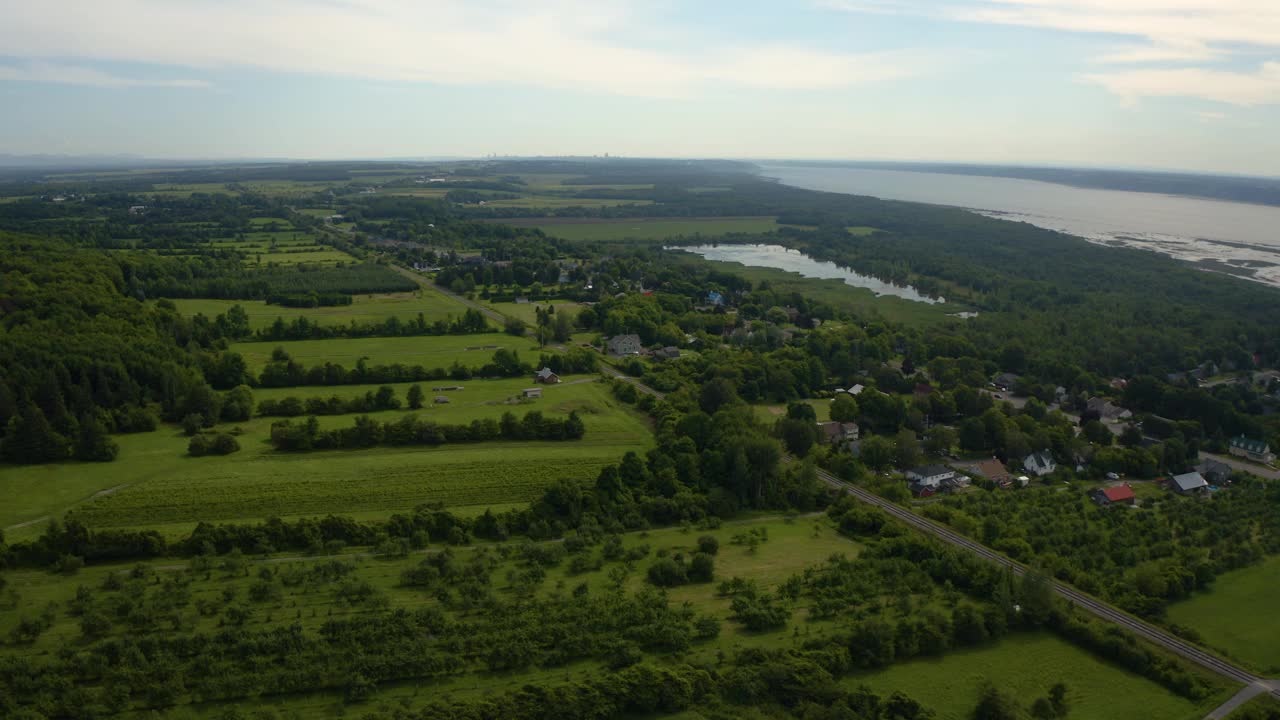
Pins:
<point x="1116" y="494"/>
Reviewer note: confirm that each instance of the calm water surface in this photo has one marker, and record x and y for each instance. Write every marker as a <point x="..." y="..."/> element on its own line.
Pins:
<point x="783" y="258"/>
<point x="1247" y="236"/>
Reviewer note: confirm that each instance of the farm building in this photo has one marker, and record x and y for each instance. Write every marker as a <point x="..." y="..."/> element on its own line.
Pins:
<point x="1188" y="483"/>
<point x="441" y="400"/>
<point x="546" y="377"/>
<point x="1115" y="495"/>
<point x="531" y="393"/>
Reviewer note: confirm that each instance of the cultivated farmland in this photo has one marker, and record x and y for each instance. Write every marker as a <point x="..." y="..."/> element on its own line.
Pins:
<point x="1232" y="615"/>
<point x="427" y="351"/>
<point x="364" y="308"/>
<point x="158" y="485"/>
<point x="1027" y="665"/>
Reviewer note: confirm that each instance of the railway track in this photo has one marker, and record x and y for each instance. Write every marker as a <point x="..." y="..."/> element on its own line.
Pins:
<point x="1170" y="642"/>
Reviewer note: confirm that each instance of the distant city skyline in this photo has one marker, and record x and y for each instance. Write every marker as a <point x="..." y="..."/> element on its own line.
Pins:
<point x="1185" y="85"/>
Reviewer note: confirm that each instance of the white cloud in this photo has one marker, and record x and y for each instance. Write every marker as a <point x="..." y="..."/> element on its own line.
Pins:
<point x="1175" y="32"/>
<point x="1236" y="88"/>
<point x="44" y="72"/>
<point x="600" y="45"/>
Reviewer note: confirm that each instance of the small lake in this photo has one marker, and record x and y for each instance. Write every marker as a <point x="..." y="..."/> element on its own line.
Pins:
<point x="783" y="258"/>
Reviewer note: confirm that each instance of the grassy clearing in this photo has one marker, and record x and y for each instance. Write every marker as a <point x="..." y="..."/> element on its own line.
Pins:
<point x="1237" y="615"/>
<point x="770" y="413"/>
<point x="649" y="228"/>
<point x="364" y="308"/>
<point x="160" y="486"/>
<point x="1027" y="665"/>
<point x="429" y="351"/>
<point x="528" y="312"/>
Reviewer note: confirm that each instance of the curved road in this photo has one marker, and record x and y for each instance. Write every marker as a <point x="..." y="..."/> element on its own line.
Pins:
<point x="1254" y="684"/>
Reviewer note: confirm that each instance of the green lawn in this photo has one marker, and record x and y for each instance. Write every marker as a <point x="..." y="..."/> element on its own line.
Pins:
<point x="158" y="485"/>
<point x="1237" y="615"/>
<point x="429" y="351"/>
<point x="1027" y="665"/>
<point x="650" y="228"/>
<point x="363" y="308"/>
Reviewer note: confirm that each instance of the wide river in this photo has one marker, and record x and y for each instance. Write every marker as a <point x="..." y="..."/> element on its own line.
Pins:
<point x="1243" y="235"/>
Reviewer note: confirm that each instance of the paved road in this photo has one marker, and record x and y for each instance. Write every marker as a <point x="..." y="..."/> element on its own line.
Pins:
<point x="614" y="372"/>
<point x="1261" y="471"/>
<point x="426" y="283"/>
<point x="1101" y="609"/>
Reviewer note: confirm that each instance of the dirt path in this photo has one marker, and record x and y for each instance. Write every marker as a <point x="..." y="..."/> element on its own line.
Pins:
<point x="60" y="513"/>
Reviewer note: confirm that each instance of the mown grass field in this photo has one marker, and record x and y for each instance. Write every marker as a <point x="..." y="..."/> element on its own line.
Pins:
<point x="528" y="312"/>
<point x="1026" y="666"/>
<point x="648" y="228"/>
<point x="429" y="351"/>
<point x="364" y="308"/>
<point x="1237" y="615"/>
<point x="157" y="485"/>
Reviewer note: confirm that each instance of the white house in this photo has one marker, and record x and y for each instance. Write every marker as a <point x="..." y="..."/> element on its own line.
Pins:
<point x="1039" y="463"/>
<point x="930" y="476"/>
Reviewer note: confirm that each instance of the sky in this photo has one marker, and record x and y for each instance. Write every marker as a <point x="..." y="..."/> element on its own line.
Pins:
<point x="1161" y="84"/>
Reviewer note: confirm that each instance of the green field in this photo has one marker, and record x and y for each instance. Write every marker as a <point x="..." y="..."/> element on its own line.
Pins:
<point x="429" y="351"/>
<point x="648" y="228"/>
<point x="157" y="485"/>
<point x="363" y="308"/>
<point x="1237" y="615"/>
<point x="1026" y="666"/>
<point x="528" y="311"/>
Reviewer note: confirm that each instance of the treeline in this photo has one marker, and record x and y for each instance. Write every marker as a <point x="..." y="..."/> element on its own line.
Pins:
<point x="284" y="371"/>
<point x="413" y="430"/>
<point x="310" y="300"/>
<point x="471" y="321"/>
<point x="187" y="276"/>
<point x="373" y="401"/>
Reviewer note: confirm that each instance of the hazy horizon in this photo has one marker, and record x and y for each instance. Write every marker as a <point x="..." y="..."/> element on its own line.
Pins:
<point x="1184" y="85"/>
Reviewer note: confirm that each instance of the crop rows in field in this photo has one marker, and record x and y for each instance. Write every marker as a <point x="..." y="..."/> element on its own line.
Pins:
<point x="391" y="480"/>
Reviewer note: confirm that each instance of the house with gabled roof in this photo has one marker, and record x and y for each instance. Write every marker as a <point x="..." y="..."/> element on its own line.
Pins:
<point x="546" y="376"/>
<point x="1115" y="495"/>
<point x="1255" y="450"/>
<point x="623" y="345"/>
<point x="1039" y="463"/>
<point x="1215" y="471"/>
